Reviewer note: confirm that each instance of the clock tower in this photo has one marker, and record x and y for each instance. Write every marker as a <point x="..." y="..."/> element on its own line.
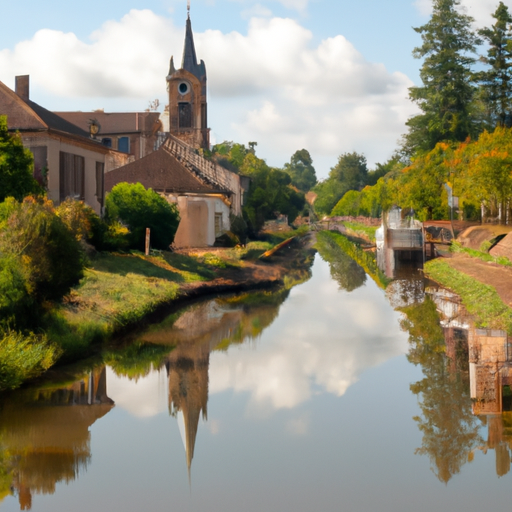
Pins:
<point x="187" y="96"/>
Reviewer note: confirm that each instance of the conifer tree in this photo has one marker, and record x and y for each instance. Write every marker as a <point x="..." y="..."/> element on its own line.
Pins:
<point x="447" y="93"/>
<point x="496" y="82"/>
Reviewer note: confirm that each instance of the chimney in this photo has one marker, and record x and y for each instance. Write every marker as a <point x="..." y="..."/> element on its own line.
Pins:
<point x="22" y="86"/>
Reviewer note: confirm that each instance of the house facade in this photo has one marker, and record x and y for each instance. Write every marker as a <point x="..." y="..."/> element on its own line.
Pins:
<point x="67" y="161"/>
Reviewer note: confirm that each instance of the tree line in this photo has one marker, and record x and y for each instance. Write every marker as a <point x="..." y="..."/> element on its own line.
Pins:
<point x="459" y="143"/>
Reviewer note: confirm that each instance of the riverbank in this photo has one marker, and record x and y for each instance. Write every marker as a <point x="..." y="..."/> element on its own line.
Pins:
<point x="119" y="292"/>
<point x="483" y="282"/>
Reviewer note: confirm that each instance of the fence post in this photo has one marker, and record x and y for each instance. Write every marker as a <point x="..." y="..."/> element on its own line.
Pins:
<point x="148" y="232"/>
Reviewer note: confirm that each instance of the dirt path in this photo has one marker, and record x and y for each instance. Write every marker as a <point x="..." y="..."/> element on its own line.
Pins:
<point x="497" y="276"/>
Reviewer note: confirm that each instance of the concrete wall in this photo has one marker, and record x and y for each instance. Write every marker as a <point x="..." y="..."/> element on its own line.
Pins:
<point x="197" y="219"/>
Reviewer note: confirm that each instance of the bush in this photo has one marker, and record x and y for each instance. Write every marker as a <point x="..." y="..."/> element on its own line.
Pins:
<point x="15" y="301"/>
<point x="24" y="357"/>
<point x="49" y="256"/>
<point x="16" y="165"/>
<point x="138" y="209"/>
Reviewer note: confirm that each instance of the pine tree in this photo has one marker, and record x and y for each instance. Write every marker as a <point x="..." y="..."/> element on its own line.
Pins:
<point x="496" y="82"/>
<point x="446" y="97"/>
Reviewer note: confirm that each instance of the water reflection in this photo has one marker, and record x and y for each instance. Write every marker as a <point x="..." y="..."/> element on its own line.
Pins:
<point x="44" y="435"/>
<point x="466" y="386"/>
<point x="195" y="333"/>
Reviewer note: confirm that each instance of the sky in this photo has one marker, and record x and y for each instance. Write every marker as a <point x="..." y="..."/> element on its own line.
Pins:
<point x="330" y="76"/>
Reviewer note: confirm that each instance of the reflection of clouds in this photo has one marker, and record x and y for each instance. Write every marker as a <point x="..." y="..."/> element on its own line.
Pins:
<point x="298" y="426"/>
<point x="323" y="338"/>
<point x="142" y="398"/>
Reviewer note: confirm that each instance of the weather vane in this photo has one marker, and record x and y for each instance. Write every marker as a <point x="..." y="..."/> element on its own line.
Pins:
<point x="188" y="8"/>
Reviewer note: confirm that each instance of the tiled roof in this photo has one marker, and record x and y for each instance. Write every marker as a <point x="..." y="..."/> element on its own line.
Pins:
<point x="160" y="171"/>
<point x="114" y="122"/>
<point x="54" y="121"/>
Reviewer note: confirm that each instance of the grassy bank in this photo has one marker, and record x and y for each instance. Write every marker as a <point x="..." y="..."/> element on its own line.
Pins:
<point x="481" y="301"/>
<point x="482" y="255"/>
<point x="361" y="230"/>
<point x="116" y="292"/>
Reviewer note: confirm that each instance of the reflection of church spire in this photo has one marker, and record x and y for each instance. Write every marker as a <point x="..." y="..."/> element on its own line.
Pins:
<point x="187" y="368"/>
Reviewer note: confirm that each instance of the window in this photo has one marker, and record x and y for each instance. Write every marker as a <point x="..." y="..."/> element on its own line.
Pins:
<point x="185" y="115"/>
<point x="107" y="141"/>
<point x="100" y="166"/>
<point x="40" y="164"/>
<point x="71" y="176"/>
<point x="218" y="224"/>
<point x="123" y="144"/>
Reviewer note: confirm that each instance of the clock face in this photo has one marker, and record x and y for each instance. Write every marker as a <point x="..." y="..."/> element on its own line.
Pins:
<point x="183" y="88"/>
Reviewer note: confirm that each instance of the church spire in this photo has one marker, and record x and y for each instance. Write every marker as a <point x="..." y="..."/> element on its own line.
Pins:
<point x="189" y="62"/>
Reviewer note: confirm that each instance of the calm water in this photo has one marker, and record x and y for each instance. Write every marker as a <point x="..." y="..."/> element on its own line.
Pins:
<point x="307" y="401"/>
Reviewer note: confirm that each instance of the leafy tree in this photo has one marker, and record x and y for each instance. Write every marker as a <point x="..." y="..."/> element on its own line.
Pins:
<point x="350" y="173"/>
<point x="301" y="170"/>
<point x="446" y="97"/>
<point x="421" y="185"/>
<point x="351" y="170"/>
<point x="497" y="81"/>
<point x="270" y="193"/>
<point x="349" y="204"/>
<point x="483" y="168"/>
<point x="16" y="166"/>
<point x="391" y="167"/>
<point x="140" y="208"/>
<point x="328" y="192"/>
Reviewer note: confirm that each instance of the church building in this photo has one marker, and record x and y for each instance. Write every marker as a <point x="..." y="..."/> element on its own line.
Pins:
<point x="188" y="119"/>
<point x="207" y="194"/>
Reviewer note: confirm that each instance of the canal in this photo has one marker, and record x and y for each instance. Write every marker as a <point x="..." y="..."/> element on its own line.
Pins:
<point x="334" y="395"/>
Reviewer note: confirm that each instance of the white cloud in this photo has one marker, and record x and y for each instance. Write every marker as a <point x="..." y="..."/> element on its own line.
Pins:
<point x="480" y="10"/>
<point x="301" y="357"/>
<point x="271" y="85"/>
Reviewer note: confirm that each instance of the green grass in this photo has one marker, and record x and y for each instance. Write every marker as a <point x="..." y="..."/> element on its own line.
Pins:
<point x="164" y="265"/>
<point x="484" y="256"/>
<point x="361" y="230"/>
<point x="24" y="357"/>
<point x="481" y="301"/>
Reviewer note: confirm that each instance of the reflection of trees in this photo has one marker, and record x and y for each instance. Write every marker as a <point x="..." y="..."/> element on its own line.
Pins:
<point x="450" y="431"/>
<point x="344" y="270"/>
<point x="137" y="359"/>
<point x="44" y="435"/>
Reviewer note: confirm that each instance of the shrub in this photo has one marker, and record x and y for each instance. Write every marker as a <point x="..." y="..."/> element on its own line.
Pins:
<point x="50" y="258"/>
<point x="15" y="301"/>
<point x="24" y="357"/>
<point x="138" y="209"/>
<point x="77" y="217"/>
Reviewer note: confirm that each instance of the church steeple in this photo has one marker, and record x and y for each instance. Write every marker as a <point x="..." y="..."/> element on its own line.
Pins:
<point x="187" y="95"/>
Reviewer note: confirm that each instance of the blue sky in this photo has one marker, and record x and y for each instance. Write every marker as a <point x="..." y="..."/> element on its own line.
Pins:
<point x="329" y="76"/>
